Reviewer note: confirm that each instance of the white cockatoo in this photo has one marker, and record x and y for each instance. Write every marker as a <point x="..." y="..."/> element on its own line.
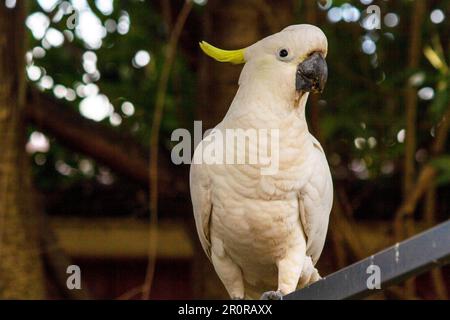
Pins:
<point x="264" y="232"/>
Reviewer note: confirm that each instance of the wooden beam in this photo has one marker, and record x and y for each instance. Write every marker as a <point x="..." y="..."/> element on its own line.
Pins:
<point x="120" y="238"/>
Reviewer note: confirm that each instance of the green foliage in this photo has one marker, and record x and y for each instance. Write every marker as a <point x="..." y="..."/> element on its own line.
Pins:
<point x="442" y="164"/>
<point x="361" y="111"/>
<point x="119" y="80"/>
<point x="365" y="92"/>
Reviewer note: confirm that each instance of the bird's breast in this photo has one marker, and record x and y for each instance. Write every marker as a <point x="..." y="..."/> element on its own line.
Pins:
<point x="258" y="230"/>
<point x="256" y="215"/>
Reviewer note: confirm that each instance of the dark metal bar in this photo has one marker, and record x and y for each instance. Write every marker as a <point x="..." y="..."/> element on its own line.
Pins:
<point x="409" y="258"/>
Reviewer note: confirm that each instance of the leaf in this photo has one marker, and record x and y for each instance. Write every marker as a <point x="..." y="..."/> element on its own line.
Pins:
<point x="442" y="164"/>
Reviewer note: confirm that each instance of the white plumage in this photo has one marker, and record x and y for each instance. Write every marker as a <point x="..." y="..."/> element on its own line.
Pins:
<point x="266" y="232"/>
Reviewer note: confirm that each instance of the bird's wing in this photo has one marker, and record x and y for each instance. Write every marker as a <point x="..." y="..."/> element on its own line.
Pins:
<point x="201" y="202"/>
<point x="315" y="201"/>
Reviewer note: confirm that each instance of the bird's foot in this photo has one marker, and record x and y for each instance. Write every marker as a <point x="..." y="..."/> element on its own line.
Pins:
<point x="272" y="295"/>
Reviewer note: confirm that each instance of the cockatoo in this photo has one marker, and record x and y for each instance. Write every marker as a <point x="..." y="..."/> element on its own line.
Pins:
<point x="265" y="232"/>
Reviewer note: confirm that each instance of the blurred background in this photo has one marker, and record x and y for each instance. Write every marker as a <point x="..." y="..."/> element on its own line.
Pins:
<point x="90" y="92"/>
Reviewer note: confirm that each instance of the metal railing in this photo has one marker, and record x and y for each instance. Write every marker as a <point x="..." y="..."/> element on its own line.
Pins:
<point x="406" y="259"/>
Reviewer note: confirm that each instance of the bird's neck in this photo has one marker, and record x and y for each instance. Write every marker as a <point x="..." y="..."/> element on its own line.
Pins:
<point x="258" y="106"/>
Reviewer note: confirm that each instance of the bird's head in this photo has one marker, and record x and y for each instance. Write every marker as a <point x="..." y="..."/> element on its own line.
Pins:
<point x="289" y="62"/>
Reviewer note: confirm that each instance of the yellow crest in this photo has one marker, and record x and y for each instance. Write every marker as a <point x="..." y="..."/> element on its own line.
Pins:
<point x="233" y="56"/>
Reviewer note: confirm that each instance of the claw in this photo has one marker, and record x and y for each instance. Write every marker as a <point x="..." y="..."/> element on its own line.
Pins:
<point x="272" y="295"/>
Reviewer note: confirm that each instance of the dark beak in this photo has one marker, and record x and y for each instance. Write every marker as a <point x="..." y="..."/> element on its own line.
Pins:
<point x="312" y="74"/>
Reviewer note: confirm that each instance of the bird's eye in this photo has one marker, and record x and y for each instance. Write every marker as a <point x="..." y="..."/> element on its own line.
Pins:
<point x="283" y="54"/>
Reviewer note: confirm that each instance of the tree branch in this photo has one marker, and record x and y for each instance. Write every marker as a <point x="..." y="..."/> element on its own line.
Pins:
<point x="114" y="149"/>
<point x="426" y="175"/>
<point x="154" y="175"/>
<point x="411" y="119"/>
<point x="411" y="96"/>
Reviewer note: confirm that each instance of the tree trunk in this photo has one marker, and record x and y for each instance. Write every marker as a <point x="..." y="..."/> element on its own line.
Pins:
<point x="21" y="272"/>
